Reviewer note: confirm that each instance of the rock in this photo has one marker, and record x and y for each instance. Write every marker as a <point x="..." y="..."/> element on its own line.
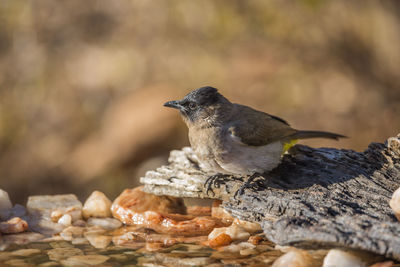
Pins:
<point x="85" y="259"/>
<point x="26" y="252"/>
<point x="250" y="227"/>
<point x="22" y="238"/>
<point x="5" y="256"/>
<point x="236" y="248"/>
<point x="80" y="223"/>
<point x="316" y="196"/>
<point x="171" y="260"/>
<point x="234" y="231"/>
<point x="17" y="262"/>
<point x="105" y="223"/>
<point x="13" y="226"/>
<point x="65" y="220"/>
<point x="395" y="203"/>
<point x="72" y="232"/>
<point x="49" y="264"/>
<point x="297" y="258"/>
<point x="138" y="201"/>
<point x="99" y="241"/>
<point x="55" y="215"/>
<point x="383" y="264"/>
<point x="58" y="254"/>
<point x="97" y="205"/>
<point x="79" y="241"/>
<point x="220" y="240"/>
<point x="220" y="213"/>
<point x="44" y="209"/>
<point x="5" y="205"/>
<point x="339" y="258"/>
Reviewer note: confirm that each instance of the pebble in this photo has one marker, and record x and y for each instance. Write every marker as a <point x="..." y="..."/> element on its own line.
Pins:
<point x="235" y="231"/>
<point x="17" y="262"/>
<point x="221" y="213"/>
<point x="250" y="227"/>
<point x="394" y="203"/>
<point x="13" y="226"/>
<point x="85" y="259"/>
<point x="58" y="254"/>
<point x="22" y="238"/>
<point x="235" y="248"/>
<point x="97" y="205"/>
<point x="44" y="209"/>
<point x="49" y="264"/>
<point x="296" y="258"/>
<point x="45" y="205"/>
<point x="99" y="241"/>
<point x="65" y="220"/>
<point x="5" y="205"/>
<point x="105" y="223"/>
<point x="26" y="252"/>
<point x="135" y="200"/>
<point x="340" y="258"/>
<point x="72" y="232"/>
<point x="79" y="241"/>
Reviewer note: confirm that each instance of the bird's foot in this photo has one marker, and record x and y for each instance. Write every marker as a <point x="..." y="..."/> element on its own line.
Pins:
<point x="246" y="185"/>
<point x="215" y="181"/>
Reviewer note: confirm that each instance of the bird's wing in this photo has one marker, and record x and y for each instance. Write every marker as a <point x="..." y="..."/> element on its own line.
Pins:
<point x="256" y="128"/>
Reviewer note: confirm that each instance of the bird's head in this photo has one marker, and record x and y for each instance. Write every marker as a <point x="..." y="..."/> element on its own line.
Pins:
<point x="199" y="104"/>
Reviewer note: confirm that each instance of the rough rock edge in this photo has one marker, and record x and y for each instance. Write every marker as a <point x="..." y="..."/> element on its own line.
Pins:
<point x="315" y="197"/>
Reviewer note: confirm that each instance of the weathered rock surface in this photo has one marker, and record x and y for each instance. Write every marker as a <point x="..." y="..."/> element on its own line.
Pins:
<point x="5" y="205"/>
<point x="316" y="197"/>
<point x="41" y="211"/>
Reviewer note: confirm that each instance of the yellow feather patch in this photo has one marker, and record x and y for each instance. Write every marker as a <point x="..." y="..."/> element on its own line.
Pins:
<point x="288" y="145"/>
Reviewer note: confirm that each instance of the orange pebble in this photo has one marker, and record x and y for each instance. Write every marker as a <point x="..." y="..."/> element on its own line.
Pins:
<point x="221" y="240"/>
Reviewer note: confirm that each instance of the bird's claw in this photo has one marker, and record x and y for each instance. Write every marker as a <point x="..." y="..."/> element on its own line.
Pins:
<point x="214" y="181"/>
<point x="247" y="185"/>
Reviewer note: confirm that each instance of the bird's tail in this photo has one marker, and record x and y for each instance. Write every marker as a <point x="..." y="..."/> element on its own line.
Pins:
<point x="315" y="134"/>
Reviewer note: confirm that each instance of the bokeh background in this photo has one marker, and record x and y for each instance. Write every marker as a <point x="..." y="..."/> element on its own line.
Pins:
<point x="82" y="83"/>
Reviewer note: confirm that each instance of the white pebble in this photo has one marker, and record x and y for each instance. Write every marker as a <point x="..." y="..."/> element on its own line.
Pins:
<point x="339" y="258"/>
<point x="65" y="220"/>
<point x="295" y="258"/>
<point x="97" y="205"/>
<point x="5" y="205"/>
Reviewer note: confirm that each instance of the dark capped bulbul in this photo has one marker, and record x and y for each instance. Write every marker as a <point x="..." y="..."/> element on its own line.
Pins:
<point x="234" y="139"/>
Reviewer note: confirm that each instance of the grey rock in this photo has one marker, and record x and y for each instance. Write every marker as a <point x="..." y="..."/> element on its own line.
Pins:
<point x="5" y="205"/>
<point x="321" y="197"/>
<point x="40" y="209"/>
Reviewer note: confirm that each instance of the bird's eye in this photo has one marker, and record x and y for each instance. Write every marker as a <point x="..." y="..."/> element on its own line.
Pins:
<point x="192" y="105"/>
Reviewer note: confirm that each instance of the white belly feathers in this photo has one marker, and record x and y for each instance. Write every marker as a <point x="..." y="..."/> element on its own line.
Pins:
<point x="239" y="158"/>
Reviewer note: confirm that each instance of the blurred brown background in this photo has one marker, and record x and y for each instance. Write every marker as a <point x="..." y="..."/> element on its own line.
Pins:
<point x="82" y="83"/>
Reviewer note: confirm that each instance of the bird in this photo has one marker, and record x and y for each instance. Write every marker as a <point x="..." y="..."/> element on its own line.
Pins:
<point x="231" y="139"/>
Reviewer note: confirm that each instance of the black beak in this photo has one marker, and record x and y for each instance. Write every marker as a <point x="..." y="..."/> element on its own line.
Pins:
<point x="173" y="104"/>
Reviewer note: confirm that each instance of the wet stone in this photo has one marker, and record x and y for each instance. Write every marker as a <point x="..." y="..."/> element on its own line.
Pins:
<point x="97" y="205"/>
<point x="22" y="238"/>
<point x="26" y="252"/>
<point x="49" y="264"/>
<point x="85" y="260"/>
<point x="61" y="244"/>
<point x="17" y="262"/>
<point x="99" y="241"/>
<point x="57" y="254"/>
<point x="41" y="209"/>
<point x="105" y="223"/>
<point x="5" y="205"/>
